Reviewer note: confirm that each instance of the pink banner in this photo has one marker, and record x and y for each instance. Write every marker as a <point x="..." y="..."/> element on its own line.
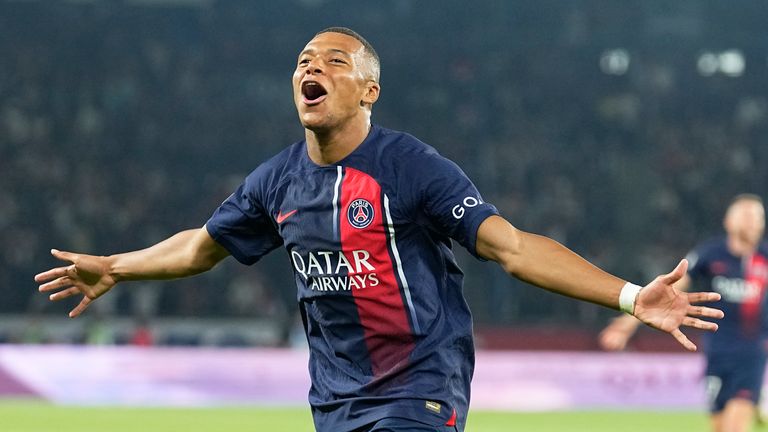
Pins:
<point x="533" y="381"/>
<point x="209" y="376"/>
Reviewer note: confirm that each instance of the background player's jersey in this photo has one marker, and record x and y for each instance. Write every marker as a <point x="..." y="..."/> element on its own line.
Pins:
<point x="379" y="291"/>
<point x="742" y="283"/>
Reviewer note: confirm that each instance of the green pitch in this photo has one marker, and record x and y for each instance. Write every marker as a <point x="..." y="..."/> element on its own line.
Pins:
<point x="22" y="416"/>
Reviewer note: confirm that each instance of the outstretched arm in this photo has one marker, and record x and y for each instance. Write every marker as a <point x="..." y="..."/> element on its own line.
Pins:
<point x="184" y="254"/>
<point x="548" y="264"/>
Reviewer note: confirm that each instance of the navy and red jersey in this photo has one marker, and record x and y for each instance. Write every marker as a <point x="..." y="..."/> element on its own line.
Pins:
<point x="741" y="282"/>
<point x="379" y="290"/>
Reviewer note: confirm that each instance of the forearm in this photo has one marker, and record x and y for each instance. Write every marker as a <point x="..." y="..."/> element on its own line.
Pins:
<point x="546" y="263"/>
<point x="184" y="254"/>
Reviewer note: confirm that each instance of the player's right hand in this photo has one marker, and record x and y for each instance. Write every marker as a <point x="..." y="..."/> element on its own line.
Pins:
<point x="87" y="275"/>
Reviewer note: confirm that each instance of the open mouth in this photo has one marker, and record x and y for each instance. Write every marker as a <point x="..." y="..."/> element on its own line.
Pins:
<point x="313" y="92"/>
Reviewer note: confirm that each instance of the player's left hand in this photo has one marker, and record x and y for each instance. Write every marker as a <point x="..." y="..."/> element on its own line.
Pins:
<point x="663" y="307"/>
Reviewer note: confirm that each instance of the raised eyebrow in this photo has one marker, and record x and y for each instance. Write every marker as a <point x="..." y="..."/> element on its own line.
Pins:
<point x="338" y="51"/>
<point x="310" y="51"/>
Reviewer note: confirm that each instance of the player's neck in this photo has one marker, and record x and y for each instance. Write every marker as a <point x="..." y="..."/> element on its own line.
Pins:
<point x="326" y="147"/>
<point x="739" y="247"/>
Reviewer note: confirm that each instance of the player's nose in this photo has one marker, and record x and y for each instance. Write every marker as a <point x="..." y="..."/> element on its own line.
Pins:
<point x="315" y="66"/>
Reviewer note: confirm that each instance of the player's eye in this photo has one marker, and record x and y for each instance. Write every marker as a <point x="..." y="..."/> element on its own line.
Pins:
<point x="338" y="60"/>
<point x="304" y="61"/>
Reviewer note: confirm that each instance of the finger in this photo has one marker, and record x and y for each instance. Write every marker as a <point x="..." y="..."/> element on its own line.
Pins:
<point x="59" y="283"/>
<point x="64" y="256"/>
<point x="702" y="311"/>
<point x="699" y="324"/>
<point x="80" y="307"/>
<point x="676" y="274"/>
<point x="51" y="274"/>
<point x="69" y="292"/>
<point x="683" y="340"/>
<point x="703" y="297"/>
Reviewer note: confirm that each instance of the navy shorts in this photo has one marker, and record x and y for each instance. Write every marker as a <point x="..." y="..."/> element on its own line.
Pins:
<point x="395" y="424"/>
<point x="734" y="377"/>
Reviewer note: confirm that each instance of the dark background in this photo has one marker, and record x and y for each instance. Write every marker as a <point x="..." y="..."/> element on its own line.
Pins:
<point x="615" y="127"/>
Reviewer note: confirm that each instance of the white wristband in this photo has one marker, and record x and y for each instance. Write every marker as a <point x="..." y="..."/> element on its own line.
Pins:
<point x="627" y="297"/>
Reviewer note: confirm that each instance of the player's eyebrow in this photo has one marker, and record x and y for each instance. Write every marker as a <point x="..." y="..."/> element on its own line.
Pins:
<point x="310" y="51"/>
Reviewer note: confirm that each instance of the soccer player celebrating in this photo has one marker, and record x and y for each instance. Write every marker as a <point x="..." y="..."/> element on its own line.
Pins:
<point x="735" y="266"/>
<point x="367" y="215"/>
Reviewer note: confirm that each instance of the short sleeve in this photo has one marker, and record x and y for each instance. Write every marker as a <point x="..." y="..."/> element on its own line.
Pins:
<point x="451" y="201"/>
<point x="243" y="226"/>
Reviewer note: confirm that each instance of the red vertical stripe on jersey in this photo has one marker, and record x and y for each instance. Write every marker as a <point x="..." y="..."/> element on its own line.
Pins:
<point x="755" y="277"/>
<point x="383" y="314"/>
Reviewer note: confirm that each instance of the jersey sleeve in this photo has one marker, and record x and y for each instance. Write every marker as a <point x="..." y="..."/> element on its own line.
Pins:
<point x="450" y="201"/>
<point x="243" y="225"/>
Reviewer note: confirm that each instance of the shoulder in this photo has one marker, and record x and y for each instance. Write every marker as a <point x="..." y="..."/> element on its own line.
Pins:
<point x="405" y="150"/>
<point x="398" y="144"/>
<point x="273" y="170"/>
<point x="259" y="186"/>
<point x="763" y="248"/>
<point x="710" y="248"/>
<point x="713" y="246"/>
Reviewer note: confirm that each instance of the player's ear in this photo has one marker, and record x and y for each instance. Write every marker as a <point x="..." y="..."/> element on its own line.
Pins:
<point x="371" y="93"/>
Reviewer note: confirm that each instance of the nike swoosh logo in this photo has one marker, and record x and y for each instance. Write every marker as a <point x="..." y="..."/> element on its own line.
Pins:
<point x="282" y="217"/>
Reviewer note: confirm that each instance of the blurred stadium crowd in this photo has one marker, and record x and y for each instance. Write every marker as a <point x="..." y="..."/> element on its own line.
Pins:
<point x="589" y="121"/>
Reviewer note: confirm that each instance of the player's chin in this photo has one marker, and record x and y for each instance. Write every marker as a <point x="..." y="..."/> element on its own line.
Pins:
<point x="314" y="121"/>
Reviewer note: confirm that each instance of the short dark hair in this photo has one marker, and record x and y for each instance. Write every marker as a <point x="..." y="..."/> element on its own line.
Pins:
<point x="746" y="197"/>
<point x="367" y="47"/>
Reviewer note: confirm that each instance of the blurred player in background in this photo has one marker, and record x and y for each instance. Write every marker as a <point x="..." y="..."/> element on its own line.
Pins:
<point x="736" y="267"/>
<point x="367" y="216"/>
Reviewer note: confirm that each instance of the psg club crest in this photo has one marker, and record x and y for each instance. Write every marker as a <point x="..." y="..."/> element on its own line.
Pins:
<point x="360" y="213"/>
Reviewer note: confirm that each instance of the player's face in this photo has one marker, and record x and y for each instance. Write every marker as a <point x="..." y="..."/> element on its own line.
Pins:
<point x="331" y="83"/>
<point x="746" y="220"/>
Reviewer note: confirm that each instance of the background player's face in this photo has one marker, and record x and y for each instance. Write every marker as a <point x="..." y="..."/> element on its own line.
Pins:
<point x="745" y="220"/>
<point x="332" y="82"/>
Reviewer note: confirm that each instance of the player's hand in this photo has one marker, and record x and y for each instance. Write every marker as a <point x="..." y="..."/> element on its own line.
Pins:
<point x="616" y="335"/>
<point x="87" y="275"/>
<point x="661" y="306"/>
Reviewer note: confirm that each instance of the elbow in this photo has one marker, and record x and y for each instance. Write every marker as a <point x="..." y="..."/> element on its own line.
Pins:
<point x="202" y="252"/>
<point x="514" y="258"/>
<point x="201" y="263"/>
<point x="510" y="255"/>
<point x="200" y="266"/>
<point x="501" y="242"/>
<point x="198" y="261"/>
<point x="510" y="263"/>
